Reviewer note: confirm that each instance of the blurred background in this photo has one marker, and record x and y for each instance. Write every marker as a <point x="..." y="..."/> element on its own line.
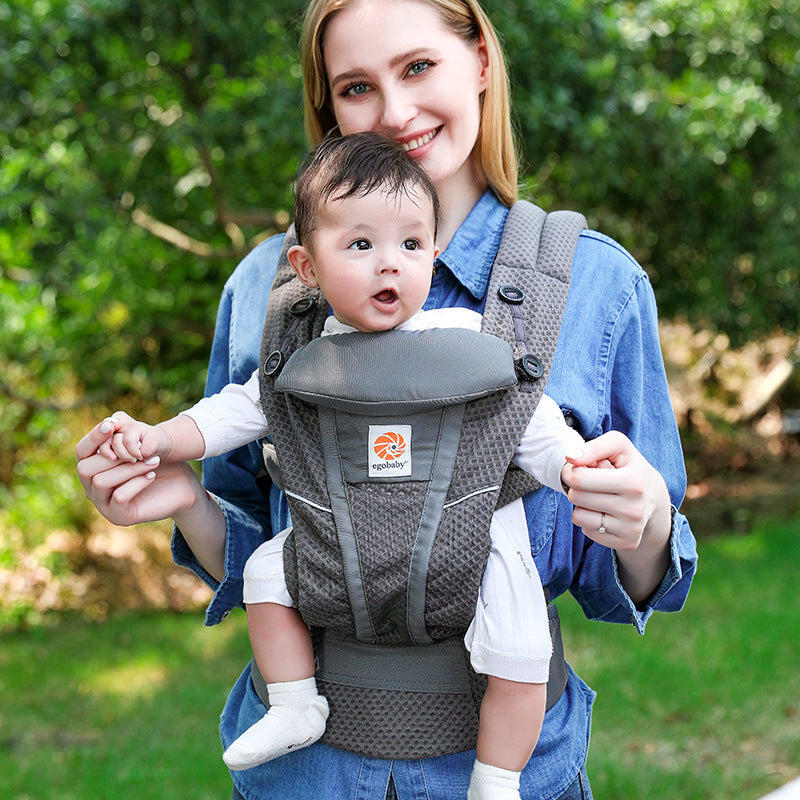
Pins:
<point x="146" y="146"/>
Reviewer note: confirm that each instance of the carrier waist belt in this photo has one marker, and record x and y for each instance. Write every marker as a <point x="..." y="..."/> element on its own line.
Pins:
<point x="436" y="669"/>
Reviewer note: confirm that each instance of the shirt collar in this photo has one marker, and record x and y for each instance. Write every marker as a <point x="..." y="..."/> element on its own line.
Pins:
<point x="471" y="252"/>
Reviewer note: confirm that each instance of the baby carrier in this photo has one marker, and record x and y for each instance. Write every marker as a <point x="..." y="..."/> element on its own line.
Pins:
<point x="394" y="450"/>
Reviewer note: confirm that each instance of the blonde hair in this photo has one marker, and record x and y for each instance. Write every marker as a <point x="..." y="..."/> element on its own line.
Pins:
<point x="496" y="144"/>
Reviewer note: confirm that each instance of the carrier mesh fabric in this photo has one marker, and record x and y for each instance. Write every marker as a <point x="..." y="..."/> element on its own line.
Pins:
<point x="526" y="233"/>
<point x="393" y="724"/>
<point x="418" y="725"/>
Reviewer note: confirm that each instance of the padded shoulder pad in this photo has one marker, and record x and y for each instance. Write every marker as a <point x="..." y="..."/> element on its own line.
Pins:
<point x="398" y="371"/>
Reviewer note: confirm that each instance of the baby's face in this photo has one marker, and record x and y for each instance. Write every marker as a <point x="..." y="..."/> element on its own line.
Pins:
<point x="373" y="257"/>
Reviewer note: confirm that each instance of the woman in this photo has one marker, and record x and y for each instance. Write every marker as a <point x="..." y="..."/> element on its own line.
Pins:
<point x="430" y="74"/>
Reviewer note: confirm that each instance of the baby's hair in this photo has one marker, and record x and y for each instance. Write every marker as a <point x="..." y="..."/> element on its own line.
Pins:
<point x="355" y="165"/>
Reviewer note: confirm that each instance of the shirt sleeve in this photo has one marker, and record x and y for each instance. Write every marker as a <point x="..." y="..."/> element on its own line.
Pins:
<point x="639" y="405"/>
<point x="544" y="444"/>
<point x="234" y="479"/>
<point x="230" y="418"/>
<point x="609" y="373"/>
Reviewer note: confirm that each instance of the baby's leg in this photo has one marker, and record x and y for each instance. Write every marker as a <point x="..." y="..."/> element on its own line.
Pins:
<point x="281" y="642"/>
<point x="282" y="649"/>
<point x="510" y="723"/>
<point x="509" y="640"/>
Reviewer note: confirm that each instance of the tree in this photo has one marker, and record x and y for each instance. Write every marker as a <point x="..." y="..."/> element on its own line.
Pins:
<point x="672" y="122"/>
<point x="146" y="146"/>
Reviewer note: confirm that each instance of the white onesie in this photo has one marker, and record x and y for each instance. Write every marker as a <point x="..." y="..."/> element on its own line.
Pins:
<point x="509" y="637"/>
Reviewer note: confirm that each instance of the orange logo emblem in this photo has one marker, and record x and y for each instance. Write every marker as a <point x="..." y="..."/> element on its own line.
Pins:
<point x="389" y="446"/>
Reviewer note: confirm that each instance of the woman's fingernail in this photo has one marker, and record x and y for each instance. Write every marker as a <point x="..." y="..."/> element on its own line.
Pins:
<point x="153" y="461"/>
<point x="150" y="476"/>
<point x="106" y="427"/>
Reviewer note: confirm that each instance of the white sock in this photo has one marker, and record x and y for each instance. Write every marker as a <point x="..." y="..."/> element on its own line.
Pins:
<point x="493" y="783"/>
<point x="295" y="719"/>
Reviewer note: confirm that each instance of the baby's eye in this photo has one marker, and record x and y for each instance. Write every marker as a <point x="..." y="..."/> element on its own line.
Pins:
<point x="360" y="244"/>
<point x="411" y="244"/>
<point x="418" y="67"/>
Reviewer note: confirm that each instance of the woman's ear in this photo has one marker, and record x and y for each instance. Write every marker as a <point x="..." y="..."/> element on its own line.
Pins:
<point x="303" y="265"/>
<point x="483" y="59"/>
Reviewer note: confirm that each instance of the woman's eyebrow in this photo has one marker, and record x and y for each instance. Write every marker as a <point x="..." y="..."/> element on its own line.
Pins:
<point x="395" y="61"/>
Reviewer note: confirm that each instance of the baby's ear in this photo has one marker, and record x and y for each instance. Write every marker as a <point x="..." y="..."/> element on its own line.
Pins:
<point x="303" y="265"/>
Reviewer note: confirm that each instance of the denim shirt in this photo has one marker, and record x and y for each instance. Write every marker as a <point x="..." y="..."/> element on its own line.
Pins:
<point x="608" y="373"/>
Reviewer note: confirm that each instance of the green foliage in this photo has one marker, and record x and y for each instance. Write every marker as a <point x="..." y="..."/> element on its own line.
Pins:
<point x="671" y="123"/>
<point x="144" y="112"/>
<point x="125" y="709"/>
<point x="146" y="146"/>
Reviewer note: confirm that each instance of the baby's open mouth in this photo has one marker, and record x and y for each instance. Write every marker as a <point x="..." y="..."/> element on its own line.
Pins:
<point x="386" y="296"/>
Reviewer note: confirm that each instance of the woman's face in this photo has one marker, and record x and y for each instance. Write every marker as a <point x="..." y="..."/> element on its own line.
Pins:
<point x="394" y="67"/>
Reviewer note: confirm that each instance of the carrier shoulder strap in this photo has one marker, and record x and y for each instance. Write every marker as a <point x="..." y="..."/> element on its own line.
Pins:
<point x="525" y="303"/>
<point x="295" y="313"/>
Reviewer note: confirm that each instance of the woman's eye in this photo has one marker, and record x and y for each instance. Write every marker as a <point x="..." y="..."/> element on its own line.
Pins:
<point x="418" y="67"/>
<point x="354" y="90"/>
<point x="360" y="244"/>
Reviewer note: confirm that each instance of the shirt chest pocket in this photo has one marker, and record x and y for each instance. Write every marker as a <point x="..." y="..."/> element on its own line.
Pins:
<point x="541" y="510"/>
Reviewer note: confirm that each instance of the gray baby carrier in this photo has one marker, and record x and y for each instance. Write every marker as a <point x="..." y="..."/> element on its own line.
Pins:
<point x="394" y="451"/>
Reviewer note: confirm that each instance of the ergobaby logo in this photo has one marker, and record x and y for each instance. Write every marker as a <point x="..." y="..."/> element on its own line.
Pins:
<point x="389" y="450"/>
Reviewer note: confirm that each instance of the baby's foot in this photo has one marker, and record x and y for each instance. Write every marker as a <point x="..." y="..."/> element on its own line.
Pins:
<point x="280" y="731"/>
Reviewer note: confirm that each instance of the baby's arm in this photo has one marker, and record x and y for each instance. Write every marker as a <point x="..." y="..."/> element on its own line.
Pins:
<point x="214" y="425"/>
<point x="547" y="446"/>
<point x="176" y="439"/>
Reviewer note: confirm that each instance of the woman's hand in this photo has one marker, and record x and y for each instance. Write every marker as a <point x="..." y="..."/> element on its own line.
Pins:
<point x="622" y="502"/>
<point x="127" y="493"/>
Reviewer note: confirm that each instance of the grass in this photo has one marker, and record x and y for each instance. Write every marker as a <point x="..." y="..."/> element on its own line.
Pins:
<point x="705" y="706"/>
<point x="128" y="708"/>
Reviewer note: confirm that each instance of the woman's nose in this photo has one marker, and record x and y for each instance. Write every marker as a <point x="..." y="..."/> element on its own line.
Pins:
<point x="398" y="110"/>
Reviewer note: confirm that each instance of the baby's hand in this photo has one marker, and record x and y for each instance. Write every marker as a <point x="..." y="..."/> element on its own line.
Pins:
<point x="133" y="440"/>
<point x="579" y="458"/>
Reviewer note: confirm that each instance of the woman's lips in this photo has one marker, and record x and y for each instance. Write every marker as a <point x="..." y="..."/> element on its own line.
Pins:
<point x="420" y="141"/>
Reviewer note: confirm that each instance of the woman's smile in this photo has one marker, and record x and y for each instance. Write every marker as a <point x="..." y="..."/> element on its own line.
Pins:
<point x="414" y="144"/>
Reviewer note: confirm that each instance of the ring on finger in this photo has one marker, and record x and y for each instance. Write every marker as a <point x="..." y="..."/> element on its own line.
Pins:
<point x="602" y="529"/>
